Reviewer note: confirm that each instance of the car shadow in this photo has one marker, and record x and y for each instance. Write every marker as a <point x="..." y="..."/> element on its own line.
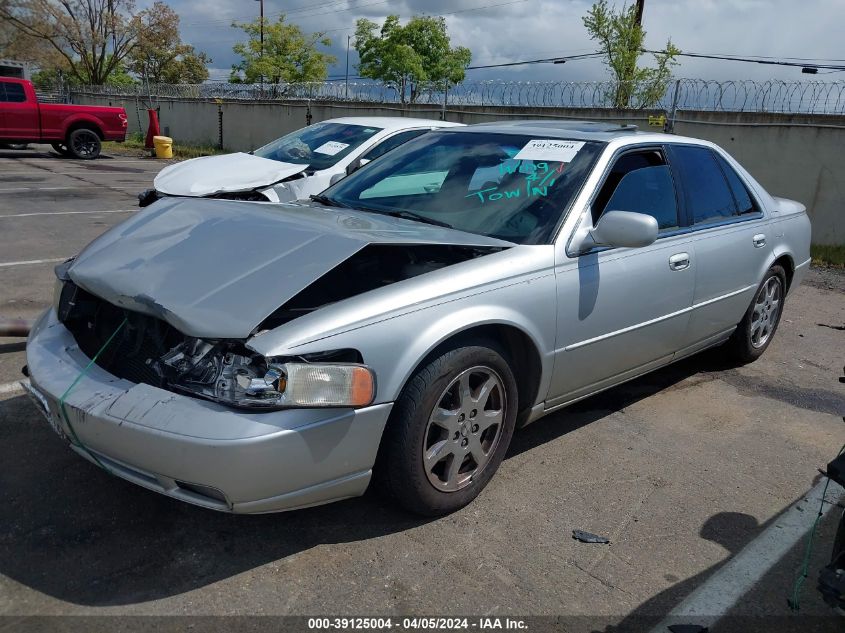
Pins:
<point x="79" y="535"/>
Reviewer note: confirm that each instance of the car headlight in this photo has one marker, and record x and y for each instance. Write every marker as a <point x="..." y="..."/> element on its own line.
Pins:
<point x="252" y="381"/>
<point x="292" y="384"/>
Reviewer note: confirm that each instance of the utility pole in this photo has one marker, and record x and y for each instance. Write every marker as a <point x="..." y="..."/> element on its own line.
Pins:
<point x="640" y="7"/>
<point x="348" y="38"/>
<point x="261" y="37"/>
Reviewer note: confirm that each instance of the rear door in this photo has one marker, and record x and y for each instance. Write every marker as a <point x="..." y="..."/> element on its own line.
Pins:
<point x="18" y="117"/>
<point x="730" y="239"/>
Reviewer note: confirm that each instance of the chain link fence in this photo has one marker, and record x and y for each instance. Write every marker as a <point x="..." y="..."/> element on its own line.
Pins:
<point x="809" y="97"/>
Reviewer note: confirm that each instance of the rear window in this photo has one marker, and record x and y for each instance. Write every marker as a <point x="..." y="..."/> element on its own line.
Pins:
<point x="12" y="93"/>
<point x="744" y="201"/>
<point x="708" y="197"/>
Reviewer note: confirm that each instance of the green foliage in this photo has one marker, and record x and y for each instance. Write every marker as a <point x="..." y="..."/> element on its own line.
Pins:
<point x="621" y="39"/>
<point x="159" y="56"/>
<point x="828" y="254"/>
<point x="412" y="59"/>
<point x="288" y="55"/>
<point x="87" y="39"/>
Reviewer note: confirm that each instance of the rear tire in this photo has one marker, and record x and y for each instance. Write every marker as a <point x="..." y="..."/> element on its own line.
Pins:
<point x="84" y="144"/>
<point x="757" y="328"/>
<point x="449" y="430"/>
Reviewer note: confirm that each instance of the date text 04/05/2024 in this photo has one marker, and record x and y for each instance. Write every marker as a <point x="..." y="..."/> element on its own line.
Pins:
<point x="416" y="623"/>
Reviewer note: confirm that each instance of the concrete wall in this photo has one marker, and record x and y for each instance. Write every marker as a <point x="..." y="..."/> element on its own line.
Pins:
<point x="793" y="156"/>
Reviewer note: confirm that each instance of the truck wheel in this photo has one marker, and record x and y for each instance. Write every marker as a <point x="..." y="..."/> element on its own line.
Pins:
<point x="61" y="148"/>
<point x="449" y="430"/>
<point x="84" y="144"/>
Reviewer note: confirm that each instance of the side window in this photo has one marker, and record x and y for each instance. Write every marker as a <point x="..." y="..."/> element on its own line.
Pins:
<point x="13" y="93"/>
<point x="706" y="191"/>
<point x="390" y="143"/>
<point x="744" y="202"/>
<point x="640" y="182"/>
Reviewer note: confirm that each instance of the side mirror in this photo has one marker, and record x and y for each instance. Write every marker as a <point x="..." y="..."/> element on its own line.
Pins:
<point x="337" y="177"/>
<point x="624" y="228"/>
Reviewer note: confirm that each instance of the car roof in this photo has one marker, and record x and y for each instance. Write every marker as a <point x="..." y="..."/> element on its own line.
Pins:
<point x="578" y="130"/>
<point x="393" y="122"/>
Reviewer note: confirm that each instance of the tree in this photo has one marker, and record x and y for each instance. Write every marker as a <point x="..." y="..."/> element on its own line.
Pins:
<point x="90" y="38"/>
<point x="411" y="59"/>
<point x="288" y="54"/>
<point x="159" y="56"/>
<point x="620" y="37"/>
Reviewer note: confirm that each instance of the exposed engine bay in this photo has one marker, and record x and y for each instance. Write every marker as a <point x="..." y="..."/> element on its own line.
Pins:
<point x="374" y="266"/>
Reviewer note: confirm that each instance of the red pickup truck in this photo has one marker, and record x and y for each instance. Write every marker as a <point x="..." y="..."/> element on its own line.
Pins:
<point x="73" y="130"/>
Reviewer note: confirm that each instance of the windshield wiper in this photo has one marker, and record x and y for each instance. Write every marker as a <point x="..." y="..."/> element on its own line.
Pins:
<point x="410" y="215"/>
<point x="329" y="202"/>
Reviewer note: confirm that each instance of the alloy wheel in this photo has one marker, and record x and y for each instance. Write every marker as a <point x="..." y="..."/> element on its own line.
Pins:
<point x="85" y="144"/>
<point x="765" y="313"/>
<point x="464" y="429"/>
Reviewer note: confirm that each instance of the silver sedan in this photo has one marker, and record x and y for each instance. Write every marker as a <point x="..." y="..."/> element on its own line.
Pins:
<point x="256" y="357"/>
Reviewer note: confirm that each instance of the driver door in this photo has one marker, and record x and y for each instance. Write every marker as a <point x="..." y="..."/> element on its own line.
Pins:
<point x="623" y="311"/>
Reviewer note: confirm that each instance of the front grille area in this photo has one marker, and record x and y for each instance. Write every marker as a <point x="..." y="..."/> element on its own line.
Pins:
<point x="133" y="352"/>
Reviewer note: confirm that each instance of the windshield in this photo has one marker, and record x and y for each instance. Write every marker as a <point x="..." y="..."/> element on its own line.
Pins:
<point x="320" y="145"/>
<point x="507" y="186"/>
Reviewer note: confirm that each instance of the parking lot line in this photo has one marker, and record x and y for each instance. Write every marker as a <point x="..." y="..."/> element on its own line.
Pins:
<point x="27" y="215"/>
<point x="740" y="574"/>
<point x="32" y="261"/>
<point x="12" y="189"/>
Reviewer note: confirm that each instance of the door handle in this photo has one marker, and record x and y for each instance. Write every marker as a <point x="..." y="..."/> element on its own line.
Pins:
<point x="680" y="261"/>
<point x="759" y="240"/>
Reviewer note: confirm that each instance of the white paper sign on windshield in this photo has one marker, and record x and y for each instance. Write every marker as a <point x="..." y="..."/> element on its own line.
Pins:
<point x="333" y="147"/>
<point x="550" y="149"/>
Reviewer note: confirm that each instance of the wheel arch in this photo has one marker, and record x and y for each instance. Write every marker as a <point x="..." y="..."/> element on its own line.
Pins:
<point x="785" y="261"/>
<point x="521" y="348"/>
<point x="84" y="123"/>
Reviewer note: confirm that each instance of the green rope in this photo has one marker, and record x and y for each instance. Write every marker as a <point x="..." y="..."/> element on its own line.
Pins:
<point x="794" y="602"/>
<point x="74" y="437"/>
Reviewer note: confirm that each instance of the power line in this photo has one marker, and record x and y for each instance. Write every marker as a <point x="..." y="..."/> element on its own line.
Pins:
<point x="751" y="60"/>
<point x="548" y="60"/>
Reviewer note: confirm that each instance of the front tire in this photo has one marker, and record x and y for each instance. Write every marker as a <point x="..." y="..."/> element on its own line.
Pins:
<point x="757" y="328"/>
<point x="84" y="144"/>
<point x="449" y="430"/>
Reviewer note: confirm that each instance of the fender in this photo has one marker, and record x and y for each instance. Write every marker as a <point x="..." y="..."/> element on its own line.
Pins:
<point x="424" y="330"/>
<point x="83" y="117"/>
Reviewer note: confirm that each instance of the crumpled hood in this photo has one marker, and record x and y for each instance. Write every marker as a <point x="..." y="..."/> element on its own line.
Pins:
<point x="218" y="268"/>
<point x="211" y="175"/>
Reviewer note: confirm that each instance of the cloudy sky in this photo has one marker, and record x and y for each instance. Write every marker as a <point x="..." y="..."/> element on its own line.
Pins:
<point x="498" y="31"/>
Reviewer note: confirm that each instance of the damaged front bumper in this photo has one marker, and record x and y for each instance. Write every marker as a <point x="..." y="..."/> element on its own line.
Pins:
<point x="199" y="451"/>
